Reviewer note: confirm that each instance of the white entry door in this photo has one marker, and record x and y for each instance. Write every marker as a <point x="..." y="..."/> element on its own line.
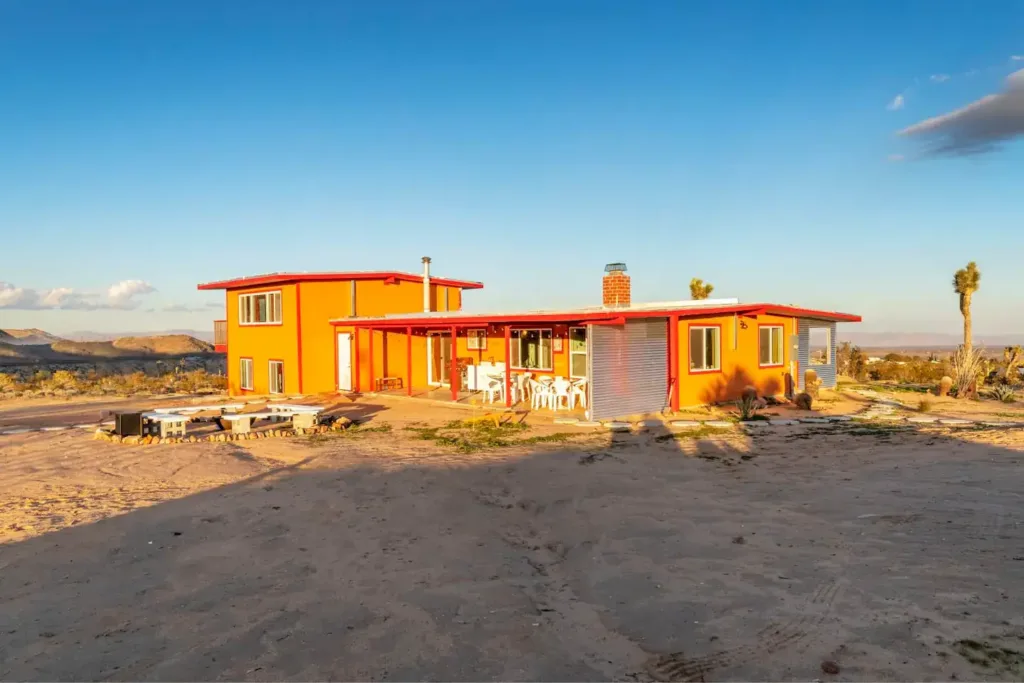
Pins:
<point x="344" y="361"/>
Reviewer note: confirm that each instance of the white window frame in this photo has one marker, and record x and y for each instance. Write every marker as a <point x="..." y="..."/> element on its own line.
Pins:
<point x="246" y="307"/>
<point x="245" y="374"/>
<point x="515" y="336"/>
<point x="272" y="375"/>
<point x="771" y="362"/>
<point x="704" y="341"/>
<point x="585" y="352"/>
<point x="476" y="340"/>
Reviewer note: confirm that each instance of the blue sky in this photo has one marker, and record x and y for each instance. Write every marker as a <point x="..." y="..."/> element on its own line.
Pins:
<point x="522" y="143"/>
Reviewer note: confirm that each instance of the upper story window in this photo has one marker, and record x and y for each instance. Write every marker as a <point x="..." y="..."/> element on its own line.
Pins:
<point x="259" y="309"/>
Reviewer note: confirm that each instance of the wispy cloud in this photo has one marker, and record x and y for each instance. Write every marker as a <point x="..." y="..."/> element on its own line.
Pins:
<point x="980" y="127"/>
<point x="895" y="158"/>
<point x="896" y="103"/>
<point x="1017" y="58"/>
<point x="183" y="308"/>
<point x="121" y="295"/>
<point x="938" y="78"/>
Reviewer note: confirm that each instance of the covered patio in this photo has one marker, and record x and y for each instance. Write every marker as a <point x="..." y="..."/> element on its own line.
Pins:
<point x="540" y="361"/>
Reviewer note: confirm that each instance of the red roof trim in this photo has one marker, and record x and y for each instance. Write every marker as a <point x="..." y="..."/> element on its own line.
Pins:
<point x="595" y="316"/>
<point x="288" y="278"/>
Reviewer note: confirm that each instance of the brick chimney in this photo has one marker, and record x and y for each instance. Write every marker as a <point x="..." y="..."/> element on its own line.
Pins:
<point x="615" y="287"/>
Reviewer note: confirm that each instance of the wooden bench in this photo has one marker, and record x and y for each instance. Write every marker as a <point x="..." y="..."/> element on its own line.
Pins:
<point x="387" y="383"/>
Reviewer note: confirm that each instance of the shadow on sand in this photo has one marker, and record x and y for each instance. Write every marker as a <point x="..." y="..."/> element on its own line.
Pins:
<point x="602" y="558"/>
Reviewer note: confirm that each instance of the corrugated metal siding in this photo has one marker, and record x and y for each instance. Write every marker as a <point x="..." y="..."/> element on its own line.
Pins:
<point x="827" y="373"/>
<point x="628" y="368"/>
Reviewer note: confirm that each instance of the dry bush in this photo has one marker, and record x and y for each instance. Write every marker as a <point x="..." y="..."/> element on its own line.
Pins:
<point x="924" y="405"/>
<point x="966" y="365"/>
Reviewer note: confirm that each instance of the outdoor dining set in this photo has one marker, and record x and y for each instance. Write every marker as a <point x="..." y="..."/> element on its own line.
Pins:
<point x="542" y="391"/>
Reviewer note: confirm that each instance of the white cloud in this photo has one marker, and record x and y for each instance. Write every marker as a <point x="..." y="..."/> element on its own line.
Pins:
<point x="1017" y="58"/>
<point x="896" y="103"/>
<point x="938" y="78"/>
<point x="120" y="296"/>
<point x="979" y="127"/>
<point x="895" y="158"/>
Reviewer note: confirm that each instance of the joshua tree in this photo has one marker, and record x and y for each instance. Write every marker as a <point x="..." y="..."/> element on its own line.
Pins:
<point x="965" y="283"/>
<point x="1013" y="357"/>
<point x="700" y="290"/>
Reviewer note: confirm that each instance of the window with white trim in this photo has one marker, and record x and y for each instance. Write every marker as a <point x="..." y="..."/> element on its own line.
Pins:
<point x="531" y="349"/>
<point x="705" y="349"/>
<point x="476" y="340"/>
<point x="276" y="383"/>
<point x="259" y="309"/>
<point x="769" y="345"/>
<point x="577" y="352"/>
<point x="245" y="373"/>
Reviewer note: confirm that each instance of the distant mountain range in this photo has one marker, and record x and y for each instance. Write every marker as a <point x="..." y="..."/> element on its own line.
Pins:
<point x="85" y="335"/>
<point x="29" y="346"/>
<point x="909" y="340"/>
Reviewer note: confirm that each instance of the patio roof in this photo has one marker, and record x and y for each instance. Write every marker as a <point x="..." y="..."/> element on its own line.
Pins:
<point x="288" y="278"/>
<point x="593" y="315"/>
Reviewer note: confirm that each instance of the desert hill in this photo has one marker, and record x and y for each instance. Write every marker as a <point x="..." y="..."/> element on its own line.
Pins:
<point x="14" y="350"/>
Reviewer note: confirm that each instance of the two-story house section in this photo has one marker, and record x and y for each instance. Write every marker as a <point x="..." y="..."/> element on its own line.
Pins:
<point x="278" y="333"/>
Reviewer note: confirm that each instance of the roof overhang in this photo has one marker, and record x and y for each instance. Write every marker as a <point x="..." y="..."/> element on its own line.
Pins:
<point x="604" y="316"/>
<point x="388" y="277"/>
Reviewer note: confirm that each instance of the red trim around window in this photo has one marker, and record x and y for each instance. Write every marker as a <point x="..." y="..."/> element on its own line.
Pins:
<point x="252" y="375"/>
<point x="691" y="371"/>
<point x="513" y="328"/>
<point x="782" y="345"/>
<point x="482" y="337"/>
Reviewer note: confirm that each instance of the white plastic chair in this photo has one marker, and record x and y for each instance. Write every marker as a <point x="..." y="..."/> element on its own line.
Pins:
<point x="579" y="393"/>
<point x="522" y="384"/>
<point x="540" y="395"/>
<point x="493" y="388"/>
<point x="560" y="392"/>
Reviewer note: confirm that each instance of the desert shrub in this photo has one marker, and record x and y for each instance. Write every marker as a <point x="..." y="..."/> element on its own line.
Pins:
<point x="63" y="379"/>
<point x="924" y="405"/>
<point x="7" y="381"/>
<point x="748" y="406"/>
<point x="1004" y="393"/>
<point x="966" y="365"/>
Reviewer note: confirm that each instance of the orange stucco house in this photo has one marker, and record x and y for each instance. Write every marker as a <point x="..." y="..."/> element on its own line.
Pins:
<point x="307" y="333"/>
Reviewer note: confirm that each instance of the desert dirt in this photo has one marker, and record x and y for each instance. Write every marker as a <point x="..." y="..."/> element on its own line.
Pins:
<point x="878" y="552"/>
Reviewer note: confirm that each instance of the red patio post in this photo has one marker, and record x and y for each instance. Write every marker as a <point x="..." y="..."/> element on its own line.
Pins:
<point x="673" y="361"/>
<point x="408" y="360"/>
<point x="355" y="358"/>
<point x="508" y="366"/>
<point x="369" y="359"/>
<point x="453" y="377"/>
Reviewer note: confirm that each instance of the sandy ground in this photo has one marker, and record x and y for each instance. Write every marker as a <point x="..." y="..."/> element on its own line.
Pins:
<point x="893" y="553"/>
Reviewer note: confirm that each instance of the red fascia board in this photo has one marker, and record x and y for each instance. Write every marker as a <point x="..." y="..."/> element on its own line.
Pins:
<point x="288" y="278"/>
<point x="795" y="312"/>
<point x="605" y="317"/>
